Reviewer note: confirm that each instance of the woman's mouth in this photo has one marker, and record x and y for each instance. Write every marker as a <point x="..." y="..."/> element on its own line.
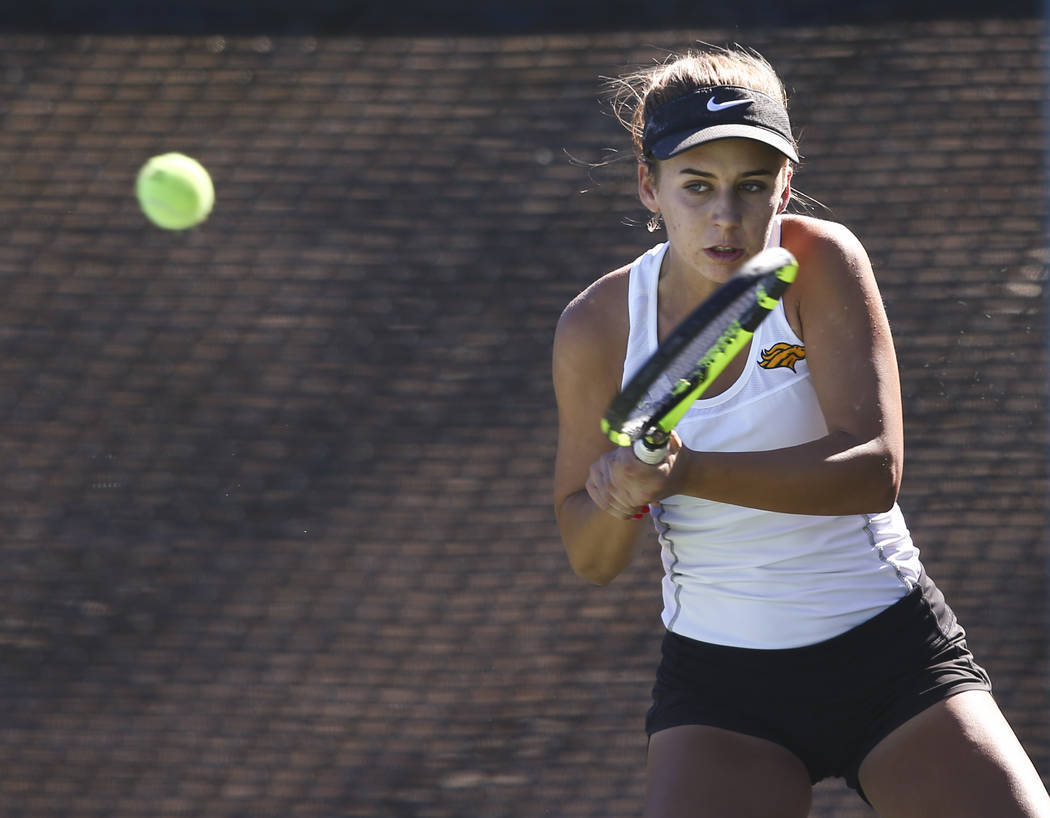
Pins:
<point x="724" y="253"/>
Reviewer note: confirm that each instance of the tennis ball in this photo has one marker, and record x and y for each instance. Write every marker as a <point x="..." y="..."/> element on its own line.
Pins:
<point x="174" y="191"/>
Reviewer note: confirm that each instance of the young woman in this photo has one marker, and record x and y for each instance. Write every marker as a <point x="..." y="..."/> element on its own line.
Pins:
<point x="804" y="639"/>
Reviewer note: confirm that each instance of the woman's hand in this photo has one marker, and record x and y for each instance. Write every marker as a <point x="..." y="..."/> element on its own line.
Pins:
<point x="623" y="486"/>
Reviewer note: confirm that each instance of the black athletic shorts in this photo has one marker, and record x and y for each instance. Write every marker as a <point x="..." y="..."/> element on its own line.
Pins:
<point x="829" y="703"/>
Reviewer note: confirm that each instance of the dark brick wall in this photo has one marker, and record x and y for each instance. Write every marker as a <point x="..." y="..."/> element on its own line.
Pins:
<point x="422" y="17"/>
<point x="276" y="514"/>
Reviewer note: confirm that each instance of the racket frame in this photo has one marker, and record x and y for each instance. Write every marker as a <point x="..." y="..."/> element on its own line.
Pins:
<point x="774" y="269"/>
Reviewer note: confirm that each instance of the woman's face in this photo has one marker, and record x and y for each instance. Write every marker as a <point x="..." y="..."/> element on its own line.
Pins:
<point x="717" y="201"/>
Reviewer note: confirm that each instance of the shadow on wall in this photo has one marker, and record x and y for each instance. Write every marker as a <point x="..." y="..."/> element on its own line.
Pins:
<point x="329" y="17"/>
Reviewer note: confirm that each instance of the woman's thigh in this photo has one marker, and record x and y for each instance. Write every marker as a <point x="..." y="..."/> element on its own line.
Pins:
<point x="697" y="771"/>
<point x="958" y="758"/>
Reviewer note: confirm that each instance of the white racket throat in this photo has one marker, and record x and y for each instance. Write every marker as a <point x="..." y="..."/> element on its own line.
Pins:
<point x="647" y="455"/>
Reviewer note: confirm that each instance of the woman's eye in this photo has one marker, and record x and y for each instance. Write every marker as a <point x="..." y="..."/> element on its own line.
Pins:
<point x="753" y="187"/>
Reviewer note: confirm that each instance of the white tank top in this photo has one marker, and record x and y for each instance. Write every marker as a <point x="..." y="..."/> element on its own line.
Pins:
<point x="760" y="579"/>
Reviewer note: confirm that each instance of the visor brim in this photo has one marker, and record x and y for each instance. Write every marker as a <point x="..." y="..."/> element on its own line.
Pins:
<point x="675" y="143"/>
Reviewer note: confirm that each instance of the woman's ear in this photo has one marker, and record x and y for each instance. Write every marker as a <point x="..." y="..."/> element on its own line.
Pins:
<point x="647" y="187"/>
<point x="785" y="194"/>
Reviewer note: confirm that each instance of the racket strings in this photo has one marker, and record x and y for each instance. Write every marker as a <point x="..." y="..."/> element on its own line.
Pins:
<point x="686" y="368"/>
<point x="685" y="364"/>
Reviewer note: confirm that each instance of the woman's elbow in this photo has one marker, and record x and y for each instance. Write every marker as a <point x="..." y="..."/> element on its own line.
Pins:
<point x="887" y="484"/>
<point x="592" y="570"/>
<point x="886" y="502"/>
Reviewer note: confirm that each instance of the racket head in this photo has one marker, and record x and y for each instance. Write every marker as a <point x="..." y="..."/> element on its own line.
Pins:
<point x="696" y="352"/>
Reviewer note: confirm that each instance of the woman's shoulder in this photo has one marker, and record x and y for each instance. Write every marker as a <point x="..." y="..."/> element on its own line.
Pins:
<point x="590" y="342"/>
<point x="599" y="311"/>
<point x="831" y="264"/>
<point x="815" y="240"/>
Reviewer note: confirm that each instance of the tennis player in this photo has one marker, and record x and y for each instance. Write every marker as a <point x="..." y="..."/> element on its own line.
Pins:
<point x="804" y="639"/>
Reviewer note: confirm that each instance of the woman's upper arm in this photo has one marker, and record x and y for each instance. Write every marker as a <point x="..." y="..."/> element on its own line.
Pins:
<point x="847" y="338"/>
<point x="589" y="347"/>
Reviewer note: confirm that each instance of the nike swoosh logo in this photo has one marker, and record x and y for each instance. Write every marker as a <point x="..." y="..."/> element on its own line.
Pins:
<point x="720" y="106"/>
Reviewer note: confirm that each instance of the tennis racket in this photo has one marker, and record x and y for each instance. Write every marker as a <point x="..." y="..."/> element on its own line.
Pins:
<point x="687" y="362"/>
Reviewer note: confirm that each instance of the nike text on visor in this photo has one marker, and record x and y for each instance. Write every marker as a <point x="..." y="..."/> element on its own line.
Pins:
<point x="717" y="112"/>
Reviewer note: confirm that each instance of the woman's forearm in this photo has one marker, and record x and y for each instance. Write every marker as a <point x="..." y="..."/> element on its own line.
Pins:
<point x="833" y="475"/>
<point x="599" y="545"/>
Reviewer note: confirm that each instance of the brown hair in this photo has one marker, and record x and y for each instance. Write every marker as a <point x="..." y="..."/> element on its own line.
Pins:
<point x="636" y="95"/>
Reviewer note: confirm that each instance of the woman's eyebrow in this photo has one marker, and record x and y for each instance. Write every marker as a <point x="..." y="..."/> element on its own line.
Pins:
<point x="695" y="172"/>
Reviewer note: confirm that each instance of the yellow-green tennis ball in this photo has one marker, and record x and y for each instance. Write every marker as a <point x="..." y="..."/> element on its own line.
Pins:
<point x="175" y="191"/>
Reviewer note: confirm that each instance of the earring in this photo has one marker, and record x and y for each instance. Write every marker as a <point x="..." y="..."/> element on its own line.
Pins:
<point x="654" y="223"/>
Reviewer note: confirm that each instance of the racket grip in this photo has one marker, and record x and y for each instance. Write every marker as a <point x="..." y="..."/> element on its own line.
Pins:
<point x="647" y="455"/>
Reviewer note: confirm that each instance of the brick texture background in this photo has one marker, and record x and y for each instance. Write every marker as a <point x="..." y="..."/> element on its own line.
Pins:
<point x="275" y="514"/>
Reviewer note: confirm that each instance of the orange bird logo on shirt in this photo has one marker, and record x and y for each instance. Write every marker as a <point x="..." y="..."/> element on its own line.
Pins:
<point x="782" y="354"/>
